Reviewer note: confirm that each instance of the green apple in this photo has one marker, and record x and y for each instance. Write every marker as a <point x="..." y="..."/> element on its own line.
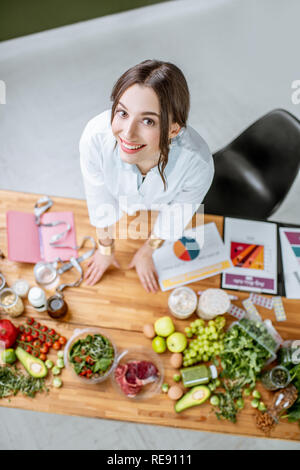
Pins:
<point x="164" y="326"/>
<point x="159" y="344"/>
<point x="176" y="342"/>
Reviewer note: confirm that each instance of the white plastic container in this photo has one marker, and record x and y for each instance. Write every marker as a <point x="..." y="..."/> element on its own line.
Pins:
<point x="37" y="298"/>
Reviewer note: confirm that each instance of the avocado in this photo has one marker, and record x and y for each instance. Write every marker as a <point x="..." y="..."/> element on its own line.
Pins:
<point x="196" y="396"/>
<point x="33" y="365"/>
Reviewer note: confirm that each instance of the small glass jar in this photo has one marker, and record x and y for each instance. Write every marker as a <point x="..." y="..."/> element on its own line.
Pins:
<point x="56" y="306"/>
<point x="11" y="303"/>
<point x="21" y="288"/>
<point x="46" y="275"/>
<point x="213" y="302"/>
<point x="275" y="378"/>
<point x="182" y="302"/>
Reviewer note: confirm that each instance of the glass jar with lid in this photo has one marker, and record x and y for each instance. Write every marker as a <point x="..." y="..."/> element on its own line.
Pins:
<point x="182" y="302"/>
<point x="11" y="303"/>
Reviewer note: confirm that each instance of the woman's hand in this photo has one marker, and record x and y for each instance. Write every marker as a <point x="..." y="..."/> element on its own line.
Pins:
<point x="143" y="263"/>
<point x="97" y="266"/>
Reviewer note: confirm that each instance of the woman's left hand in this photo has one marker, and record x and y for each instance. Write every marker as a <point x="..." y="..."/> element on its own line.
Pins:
<point x="143" y="263"/>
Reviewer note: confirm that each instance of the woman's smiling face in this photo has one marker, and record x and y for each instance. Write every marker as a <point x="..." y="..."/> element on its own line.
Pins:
<point x="136" y="125"/>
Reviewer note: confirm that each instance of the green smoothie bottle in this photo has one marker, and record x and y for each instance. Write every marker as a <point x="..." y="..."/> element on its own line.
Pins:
<point x="198" y="375"/>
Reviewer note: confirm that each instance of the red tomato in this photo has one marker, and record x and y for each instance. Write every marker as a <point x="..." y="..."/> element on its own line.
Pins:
<point x="29" y="320"/>
<point x="44" y="349"/>
<point x="42" y="338"/>
<point x="83" y="372"/>
<point x="43" y="357"/>
<point x="35" y="334"/>
<point x="23" y="338"/>
<point x="29" y="338"/>
<point x="29" y="350"/>
<point x="28" y="331"/>
<point x="62" y="340"/>
<point x="88" y="373"/>
<point x="56" y="345"/>
<point x="48" y="343"/>
<point x="44" y="328"/>
<point x="52" y="332"/>
<point x="35" y="354"/>
<point x="36" y="343"/>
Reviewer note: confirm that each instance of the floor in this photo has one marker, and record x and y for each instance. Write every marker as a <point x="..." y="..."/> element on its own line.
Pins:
<point x="238" y="68"/>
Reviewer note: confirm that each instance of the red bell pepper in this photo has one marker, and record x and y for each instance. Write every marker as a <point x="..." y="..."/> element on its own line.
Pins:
<point x="8" y="333"/>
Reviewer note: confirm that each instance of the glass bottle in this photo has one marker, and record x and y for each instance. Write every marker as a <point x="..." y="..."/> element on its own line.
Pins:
<point x="56" y="306"/>
<point x="198" y="375"/>
<point x="275" y="378"/>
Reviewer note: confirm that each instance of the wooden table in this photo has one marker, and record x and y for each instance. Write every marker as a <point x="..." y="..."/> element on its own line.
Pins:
<point x="120" y="306"/>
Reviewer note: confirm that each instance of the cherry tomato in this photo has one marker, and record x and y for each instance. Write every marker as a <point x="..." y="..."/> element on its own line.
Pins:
<point x="44" y="328"/>
<point x="28" y="330"/>
<point x="29" y="320"/>
<point x="36" y="324"/>
<point x="28" y="349"/>
<point x="89" y="373"/>
<point x="35" y="334"/>
<point x="52" y="332"/>
<point x="42" y="338"/>
<point x="29" y="338"/>
<point x="62" y="340"/>
<point x="36" y="343"/>
<point x="83" y="372"/>
<point x="44" y="349"/>
<point x="43" y="357"/>
<point x="23" y="338"/>
<point x="21" y="328"/>
<point x="89" y="360"/>
<point x="35" y="354"/>
<point x="56" y="345"/>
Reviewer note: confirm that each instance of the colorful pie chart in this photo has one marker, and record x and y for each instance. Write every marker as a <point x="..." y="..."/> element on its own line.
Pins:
<point x="186" y="249"/>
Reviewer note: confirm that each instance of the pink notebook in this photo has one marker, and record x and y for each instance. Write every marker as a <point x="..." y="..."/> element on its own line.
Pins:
<point x="28" y="243"/>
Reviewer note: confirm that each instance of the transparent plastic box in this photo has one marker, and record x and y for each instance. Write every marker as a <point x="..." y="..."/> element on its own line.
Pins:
<point x="263" y="332"/>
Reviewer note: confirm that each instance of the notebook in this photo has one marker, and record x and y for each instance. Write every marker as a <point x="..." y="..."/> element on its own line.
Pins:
<point x="30" y="243"/>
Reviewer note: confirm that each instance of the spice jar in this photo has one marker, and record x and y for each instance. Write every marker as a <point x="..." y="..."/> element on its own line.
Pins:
<point x="37" y="298"/>
<point x="21" y="288"/>
<point x="11" y="303"/>
<point x="182" y="302"/>
<point x="275" y="378"/>
<point x="56" y="306"/>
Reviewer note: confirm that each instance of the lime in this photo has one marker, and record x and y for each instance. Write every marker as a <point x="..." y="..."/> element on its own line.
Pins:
<point x="9" y="356"/>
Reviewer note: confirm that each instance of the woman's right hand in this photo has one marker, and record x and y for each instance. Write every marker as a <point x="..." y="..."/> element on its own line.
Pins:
<point x="97" y="266"/>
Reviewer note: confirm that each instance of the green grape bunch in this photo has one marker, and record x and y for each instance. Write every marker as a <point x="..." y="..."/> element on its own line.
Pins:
<point x="205" y="342"/>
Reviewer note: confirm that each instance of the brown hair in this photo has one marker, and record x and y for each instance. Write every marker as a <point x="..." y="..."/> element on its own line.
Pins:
<point x="171" y="88"/>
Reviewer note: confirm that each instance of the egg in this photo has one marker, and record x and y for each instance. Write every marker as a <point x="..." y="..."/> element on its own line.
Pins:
<point x="149" y="331"/>
<point x="176" y="360"/>
<point x="175" y="392"/>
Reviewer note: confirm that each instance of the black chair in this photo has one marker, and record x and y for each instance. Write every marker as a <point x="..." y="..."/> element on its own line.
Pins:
<point x="254" y="173"/>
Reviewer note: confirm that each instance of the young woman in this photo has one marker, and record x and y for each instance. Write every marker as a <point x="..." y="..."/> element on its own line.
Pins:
<point x="142" y="153"/>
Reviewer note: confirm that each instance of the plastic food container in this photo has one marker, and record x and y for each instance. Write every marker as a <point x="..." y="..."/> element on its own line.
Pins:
<point x="140" y="354"/>
<point x="213" y="302"/>
<point x="182" y="302"/>
<point x="82" y="334"/>
<point x="263" y="332"/>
